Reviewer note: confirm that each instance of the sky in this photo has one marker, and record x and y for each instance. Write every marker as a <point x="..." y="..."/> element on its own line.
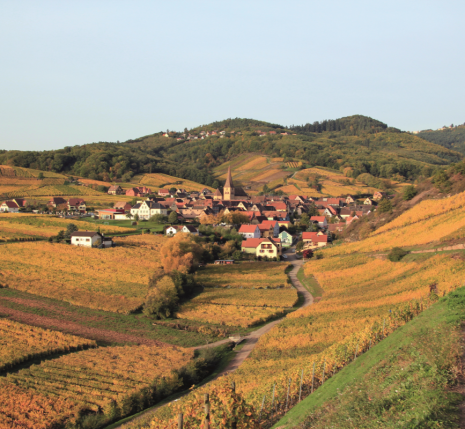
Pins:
<point x="76" y="72"/>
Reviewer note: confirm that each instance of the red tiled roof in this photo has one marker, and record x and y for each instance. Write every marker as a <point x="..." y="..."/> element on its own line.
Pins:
<point x="318" y="218"/>
<point x="314" y="237"/>
<point x="247" y="228"/>
<point x="254" y="242"/>
<point x="11" y="204"/>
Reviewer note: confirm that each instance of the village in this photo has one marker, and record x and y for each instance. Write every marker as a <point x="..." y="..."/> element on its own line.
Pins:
<point x="268" y="224"/>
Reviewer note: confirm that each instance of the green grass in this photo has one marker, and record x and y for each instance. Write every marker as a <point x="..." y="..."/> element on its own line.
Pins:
<point x="310" y="283"/>
<point x="402" y="382"/>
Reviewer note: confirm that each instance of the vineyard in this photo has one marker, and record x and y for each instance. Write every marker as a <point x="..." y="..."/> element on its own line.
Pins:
<point x="56" y="190"/>
<point x="249" y="298"/>
<point x="364" y="300"/>
<point x="294" y="164"/>
<point x="14" y="225"/>
<point x="258" y="275"/>
<point x="20" y="343"/>
<point x="230" y="315"/>
<point x="159" y="180"/>
<point x="111" y="382"/>
<point x="101" y="279"/>
<point x="425" y="224"/>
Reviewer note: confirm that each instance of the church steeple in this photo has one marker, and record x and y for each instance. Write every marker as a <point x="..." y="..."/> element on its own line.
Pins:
<point x="229" y="183"/>
<point x="228" y="190"/>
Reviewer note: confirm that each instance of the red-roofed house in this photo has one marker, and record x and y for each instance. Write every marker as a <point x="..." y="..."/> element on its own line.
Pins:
<point x="140" y="191"/>
<point x="249" y="231"/>
<point x="322" y="222"/>
<point x="269" y="247"/>
<point x="163" y="192"/>
<point x="350" y="219"/>
<point x="20" y="201"/>
<point x="379" y="195"/>
<point x="9" y="206"/>
<point x="269" y="228"/>
<point x="56" y="201"/>
<point x="115" y="190"/>
<point x="77" y="204"/>
<point x="314" y="239"/>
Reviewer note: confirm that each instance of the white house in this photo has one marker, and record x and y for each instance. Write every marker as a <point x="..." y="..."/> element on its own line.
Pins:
<point x="9" y="206"/>
<point x="322" y="222"/>
<point x="147" y="209"/>
<point x="188" y="229"/>
<point x="249" y="231"/>
<point x="87" y="239"/>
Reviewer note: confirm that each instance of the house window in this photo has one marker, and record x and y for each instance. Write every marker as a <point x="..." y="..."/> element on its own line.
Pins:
<point x="270" y="251"/>
<point x="87" y="239"/>
<point x="262" y="251"/>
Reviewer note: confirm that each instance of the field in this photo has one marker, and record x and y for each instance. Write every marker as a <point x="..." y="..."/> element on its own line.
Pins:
<point x="364" y="299"/>
<point x="110" y="381"/>
<point x="20" y="343"/>
<point x="14" y="225"/>
<point x="106" y="279"/>
<point x="427" y="223"/>
<point x="258" y="275"/>
<point x="159" y="180"/>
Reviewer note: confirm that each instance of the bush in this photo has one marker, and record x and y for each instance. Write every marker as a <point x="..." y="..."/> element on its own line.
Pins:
<point x="396" y="254"/>
<point x="385" y="206"/>
<point x="319" y="255"/>
<point x="162" y="299"/>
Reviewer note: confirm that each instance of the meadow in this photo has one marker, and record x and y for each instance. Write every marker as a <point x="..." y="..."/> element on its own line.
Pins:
<point x="108" y="382"/>
<point x="105" y="279"/>
<point x="20" y="343"/>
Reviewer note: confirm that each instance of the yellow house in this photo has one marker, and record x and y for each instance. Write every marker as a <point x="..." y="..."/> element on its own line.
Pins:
<point x="269" y="247"/>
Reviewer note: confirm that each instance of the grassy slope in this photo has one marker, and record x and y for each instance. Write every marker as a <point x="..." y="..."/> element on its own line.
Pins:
<point x="398" y="383"/>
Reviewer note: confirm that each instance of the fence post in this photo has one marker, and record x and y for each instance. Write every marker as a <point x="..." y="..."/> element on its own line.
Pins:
<point x="313" y="375"/>
<point x="272" y="402"/>
<point x="288" y="390"/>
<point x="356" y="351"/>
<point x="324" y="368"/>
<point x="207" y="411"/>
<point x="369" y="347"/>
<point x="261" y="408"/>
<point x="300" y="390"/>
<point x="180" y="421"/>
<point x="233" y="423"/>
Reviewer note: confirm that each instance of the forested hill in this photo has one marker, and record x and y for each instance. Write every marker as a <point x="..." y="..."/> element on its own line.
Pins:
<point x="364" y="144"/>
<point x="451" y="138"/>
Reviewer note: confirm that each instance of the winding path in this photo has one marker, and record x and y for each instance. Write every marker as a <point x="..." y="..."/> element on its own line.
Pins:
<point x="252" y="338"/>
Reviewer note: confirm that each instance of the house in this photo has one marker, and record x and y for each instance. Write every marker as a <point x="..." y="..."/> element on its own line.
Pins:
<point x="286" y="239"/>
<point x="20" y="201"/>
<point x="264" y="247"/>
<point x="77" y="204"/>
<point x="284" y="223"/>
<point x="330" y="211"/>
<point x="90" y="239"/>
<point x="349" y="200"/>
<point x="368" y="202"/>
<point x="115" y="190"/>
<point x="188" y="229"/>
<point x="9" y="206"/>
<point x="322" y="222"/>
<point x="269" y="228"/>
<point x="314" y="239"/>
<point x="147" y="209"/>
<point x="56" y="201"/>
<point x="379" y="195"/>
<point x="336" y="227"/>
<point x="249" y="231"/>
<point x="350" y="219"/>
<point x="272" y="215"/>
<point x="112" y="214"/>
<point x="139" y="191"/>
<point x="122" y="205"/>
<point x="164" y="192"/>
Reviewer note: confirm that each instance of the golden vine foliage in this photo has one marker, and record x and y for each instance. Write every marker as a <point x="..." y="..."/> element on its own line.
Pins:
<point x="107" y="380"/>
<point x="113" y="279"/>
<point x="19" y="343"/>
<point x="180" y="253"/>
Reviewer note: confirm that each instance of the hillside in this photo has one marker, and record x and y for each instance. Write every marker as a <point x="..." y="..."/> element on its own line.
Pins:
<point x="450" y="138"/>
<point x="357" y="142"/>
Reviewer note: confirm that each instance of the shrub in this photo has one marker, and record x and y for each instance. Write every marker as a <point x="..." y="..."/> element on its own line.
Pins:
<point x="409" y="192"/>
<point x="162" y="299"/>
<point x="396" y="254"/>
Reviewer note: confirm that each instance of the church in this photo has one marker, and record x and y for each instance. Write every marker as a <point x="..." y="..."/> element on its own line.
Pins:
<point x="230" y="193"/>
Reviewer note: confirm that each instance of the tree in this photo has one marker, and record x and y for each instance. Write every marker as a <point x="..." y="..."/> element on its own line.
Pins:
<point x="162" y="298"/>
<point x="299" y="246"/>
<point x="181" y="253"/>
<point x="235" y="218"/>
<point x="136" y="217"/>
<point x="173" y="217"/>
<point x="60" y="236"/>
<point x="385" y="206"/>
<point x="211" y="219"/>
<point x="173" y="190"/>
<point x="396" y="254"/>
<point x="41" y="176"/>
<point x="409" y="192"/>
<point x="159" y="218"/>
<point x="70" y="229"/>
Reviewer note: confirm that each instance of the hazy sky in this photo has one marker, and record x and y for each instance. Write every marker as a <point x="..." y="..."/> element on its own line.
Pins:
<point x="74" y="72"/>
